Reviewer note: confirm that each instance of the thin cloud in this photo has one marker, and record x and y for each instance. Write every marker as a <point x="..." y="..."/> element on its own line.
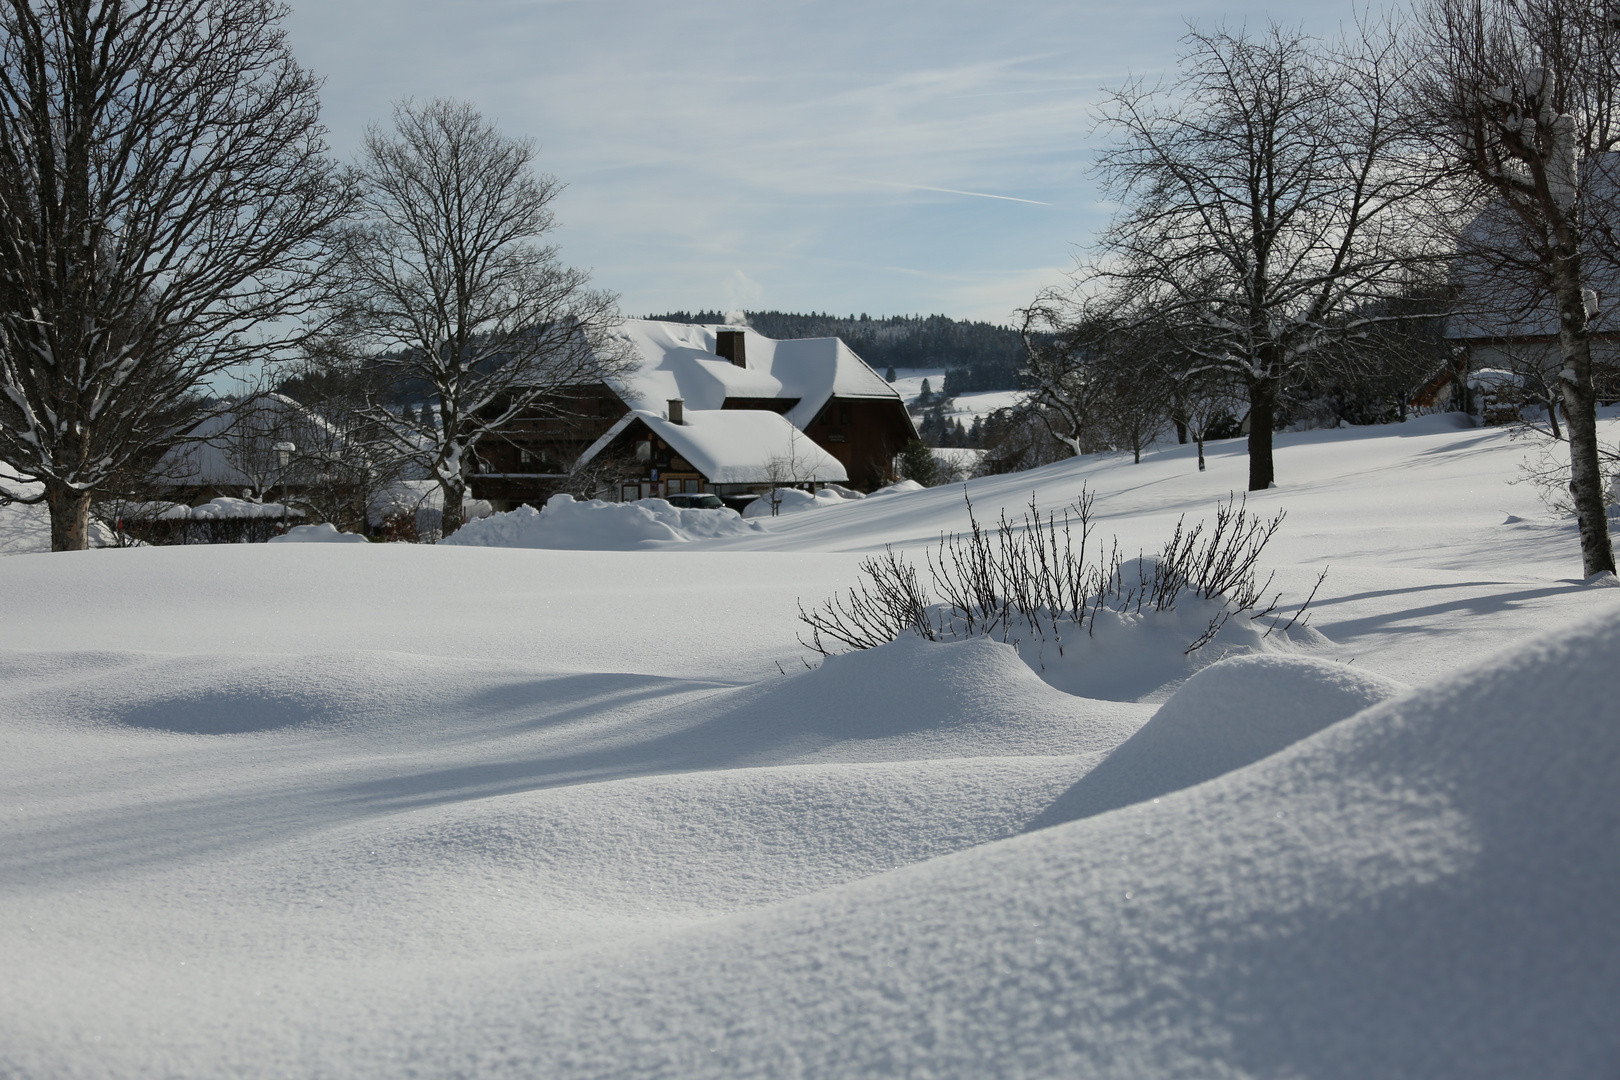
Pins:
<point x="948" y="191"/>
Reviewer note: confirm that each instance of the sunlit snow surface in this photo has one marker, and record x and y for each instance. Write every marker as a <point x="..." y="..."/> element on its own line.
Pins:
<point x="388" y="810"/>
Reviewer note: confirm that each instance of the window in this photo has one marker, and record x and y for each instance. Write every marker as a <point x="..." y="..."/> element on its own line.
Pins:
<point x="843" y="415"/>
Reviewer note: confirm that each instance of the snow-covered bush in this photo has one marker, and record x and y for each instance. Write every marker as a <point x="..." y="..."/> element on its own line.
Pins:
<point x="1036" y="584"/>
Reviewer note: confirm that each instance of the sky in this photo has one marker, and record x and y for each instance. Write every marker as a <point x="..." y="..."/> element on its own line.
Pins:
<point x="842" y="155"/>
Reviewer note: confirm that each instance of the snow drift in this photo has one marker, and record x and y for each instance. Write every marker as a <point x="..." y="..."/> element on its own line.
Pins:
<point x="324" y="533"/>
<point x="1423" y="890"/>
<point x="1230" y="714"/>
<point x="594" y="524"/>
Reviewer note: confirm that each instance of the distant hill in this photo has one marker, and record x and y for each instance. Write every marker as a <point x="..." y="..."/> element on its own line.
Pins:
<point x="975" y="355"/>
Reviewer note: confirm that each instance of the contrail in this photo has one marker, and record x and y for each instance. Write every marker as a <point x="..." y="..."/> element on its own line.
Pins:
<point x="952" y="191"/>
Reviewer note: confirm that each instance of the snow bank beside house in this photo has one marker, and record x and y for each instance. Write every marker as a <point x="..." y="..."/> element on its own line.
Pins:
<point x="598" y="525"/>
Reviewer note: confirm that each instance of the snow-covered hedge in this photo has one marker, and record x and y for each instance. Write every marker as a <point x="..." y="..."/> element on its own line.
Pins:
<point x="324" y="533"/>
<point x="1089" y="620"/>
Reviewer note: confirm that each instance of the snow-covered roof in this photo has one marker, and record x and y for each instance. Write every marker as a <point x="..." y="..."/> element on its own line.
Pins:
<point x="678" y="360"/>
<point x="242" y="446"/>
<point x="1502" y="297"/>
<point x="736" y="446"/>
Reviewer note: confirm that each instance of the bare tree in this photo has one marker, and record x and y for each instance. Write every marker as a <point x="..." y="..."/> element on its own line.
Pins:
<point x="452" y="289"/>
<point x="788" y="469"/>
<point x="344" y="457"/>
<point x="1269" y="194"/>
<point x="1063" y="346"/>
<point x="163" y="188"/>
<point x="1523" y="97"/>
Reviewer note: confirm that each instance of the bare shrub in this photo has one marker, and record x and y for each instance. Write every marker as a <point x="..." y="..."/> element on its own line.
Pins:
<point x="1037" y="577"/>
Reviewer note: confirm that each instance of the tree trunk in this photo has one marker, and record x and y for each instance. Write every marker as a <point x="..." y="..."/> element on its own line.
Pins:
<point x="1200" y="451"/>
<point x="1552" y="420"/>
<point x="70" y="517"/>
<point x="1262" y="419"/>
<point x="1181" y="431"/>
<point x="1580" y="418"/>
<point x="453" y="515"/>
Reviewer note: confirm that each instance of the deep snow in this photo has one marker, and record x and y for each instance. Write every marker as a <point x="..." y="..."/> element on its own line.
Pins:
<point x="394" y="810"/>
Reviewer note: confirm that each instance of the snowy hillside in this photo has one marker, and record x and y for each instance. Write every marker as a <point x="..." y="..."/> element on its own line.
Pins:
<point x="368" y="810"/>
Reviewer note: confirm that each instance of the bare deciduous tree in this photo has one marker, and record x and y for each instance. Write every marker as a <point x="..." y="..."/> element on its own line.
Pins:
<point x="450" y="285"/>
<point x="1269" y="194"/>
<point x="1523" y="97"/>
<point x="163" y="189"/>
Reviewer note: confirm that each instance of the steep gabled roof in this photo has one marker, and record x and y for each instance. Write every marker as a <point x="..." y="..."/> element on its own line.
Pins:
<point x="678" y="360"/>
<point x="215" y="449"/>
<point x="735" y="446"/>
<point x="1504" y="297"/>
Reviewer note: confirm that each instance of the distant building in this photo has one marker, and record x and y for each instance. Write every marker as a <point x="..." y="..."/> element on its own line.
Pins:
<point x="1504" y="337"/>
<point x="716" y="409"/>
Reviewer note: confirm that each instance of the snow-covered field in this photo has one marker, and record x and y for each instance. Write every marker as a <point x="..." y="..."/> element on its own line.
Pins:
<point x="360" y="810"/>
<point x="964" y="407"/>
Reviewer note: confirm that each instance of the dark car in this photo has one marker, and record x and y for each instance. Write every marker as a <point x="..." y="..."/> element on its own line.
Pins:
<point x="738" y="503"/>
<point x="696" y="502"/>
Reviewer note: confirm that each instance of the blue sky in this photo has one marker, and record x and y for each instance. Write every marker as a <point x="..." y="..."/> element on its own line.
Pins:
<point x="839" y="156"/>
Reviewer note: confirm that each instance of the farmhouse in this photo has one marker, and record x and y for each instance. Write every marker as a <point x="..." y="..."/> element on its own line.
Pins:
<point x="1505" y="354"/>
<point x="703" y="408"/>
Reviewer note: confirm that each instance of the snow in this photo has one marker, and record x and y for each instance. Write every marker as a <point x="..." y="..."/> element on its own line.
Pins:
<point x="597" y="525"/>
<point x="676" y="360"/>
<point x="226" y="508"/>
<point x="792" y="501"/>
<point x="735" y="446"/>
<point x="376" y="810"/>
<point x="324" y="533"/>
<point x="964" y="407"/>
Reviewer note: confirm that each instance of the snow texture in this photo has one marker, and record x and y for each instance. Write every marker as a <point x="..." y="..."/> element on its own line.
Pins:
<point x="597" y="525"/>
<point x="735" y="446"/>
<point x="792" y="501"/>
<point x="675" y="360"/>
<point x="379" y="810"/>
<point x="324" y="533"/>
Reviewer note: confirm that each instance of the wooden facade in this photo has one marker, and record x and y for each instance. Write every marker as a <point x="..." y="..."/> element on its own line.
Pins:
<point x="531" y="459"/>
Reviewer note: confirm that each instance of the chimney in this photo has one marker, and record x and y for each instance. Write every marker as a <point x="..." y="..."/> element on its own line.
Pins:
<point x="677" y="410"/>
<point x="728" y="344"/>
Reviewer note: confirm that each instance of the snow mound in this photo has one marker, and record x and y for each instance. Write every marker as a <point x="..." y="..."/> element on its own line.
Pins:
<point x="1141" y="655"/>
<point x="204" y="694"/>
<point x="917" y="699"/>
<point x="792" y="501"/>
<point x="682" y="846"/>
<point x="324" y="533"/>
<point x="1423" y="890"/>
<point x="899" y="487"/>
<point x="598" y="526"/>
<point x="1230" y="714"/>
<point x="225" y="508"/>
